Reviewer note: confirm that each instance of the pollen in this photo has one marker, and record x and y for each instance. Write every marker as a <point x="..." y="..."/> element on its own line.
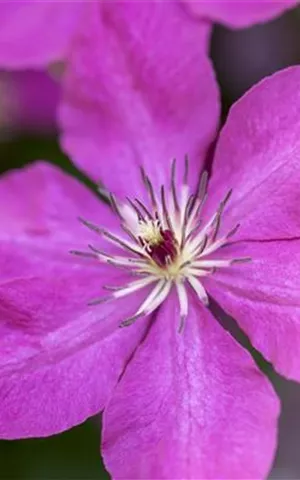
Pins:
<point x="167" y="246"/>
<point x="150" y="232"/>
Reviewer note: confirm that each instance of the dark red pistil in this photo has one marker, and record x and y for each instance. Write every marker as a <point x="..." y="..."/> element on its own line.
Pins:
<point x="164" y="251"/>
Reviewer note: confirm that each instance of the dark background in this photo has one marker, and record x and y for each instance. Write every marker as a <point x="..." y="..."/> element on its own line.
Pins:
<point x="241" y="58"/>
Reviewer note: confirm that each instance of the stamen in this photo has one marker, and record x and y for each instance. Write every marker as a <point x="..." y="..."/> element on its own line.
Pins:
<point x="225" y="200"/>
<point x="201" y="247"/>
<point x="117" y="260"/>
<point x="217" y="224"/>
<point x="189" y="204"/>
<point x="144" y="176"/>
<point x="123" y="291"/>
<point x="213" y="263"/>
<point x="129" y="321"/>
<point x="122" y="266"/>
<point x="134" y="286"/>
<point x="201" y="193"/>
<point x="241" y="260"/>
<point x="164" y="208"/>
<point x="151" y="193"/>
<point x="214" y="246"/>
<point x="193" y="231"/>
<point x="198" y="200"/>
<point x="111" y="237"/>
<point x="99" y="300"/>
<point x="203" y="185"/>
<point x="154" y="299"/>
<point x="233" y="231"/>
<point x="160" y="297"/>
<point x="186" y="170"/>
<point x="100" y="252"/>
<point x="173" y="185"/>
<point x="166" y="244"/>
<point x="183" y="304"/>
<point x="129" y="233"/>
<point x="185" y="264"/>
<point x="140" y="216"/>
<point x="199" y="289"/>
<point x="115" y="207"/>
<point x="146" y="211"/>
<point x="186" y="219"/>
<point x="83" y="254"/>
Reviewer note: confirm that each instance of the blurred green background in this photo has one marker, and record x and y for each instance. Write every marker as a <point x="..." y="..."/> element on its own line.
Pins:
<point x="241" y="58"/>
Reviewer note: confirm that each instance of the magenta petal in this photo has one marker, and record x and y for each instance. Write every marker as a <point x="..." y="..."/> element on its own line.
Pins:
<point x="35" y="33"/>
<point x="44" y="290"/>
<point x="42" y="206"/>
<point x="54" y="369"/>
<point x="263" y="296"/>
<point x="190" y="406"/>
<point x="59" y="395"/>
<point x="239" y="13"/>
<point x="258" y="155"/>
<point x="46" y="314"/>
<point x="129" y="102"/>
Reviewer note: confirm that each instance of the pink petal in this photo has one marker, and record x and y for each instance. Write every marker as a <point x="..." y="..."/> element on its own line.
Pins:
<point x="46" y="315"/>
<point x="59" y="395"/>
<point x="129" y="102"/>
<point x="190" y="406"/>
<point x="34" y="33"/>
<point x="42" y="206"/>
<point x="263" y="296"/>
<point x="258" y="155"/>
<point x="44" y="290"/>
<point x="239" y="13"/>
<point x="54" y="371"/>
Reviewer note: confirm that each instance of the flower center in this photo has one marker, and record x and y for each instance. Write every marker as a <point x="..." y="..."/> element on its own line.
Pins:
<point x="166" y="244"/>
<point x="161" y="245"/>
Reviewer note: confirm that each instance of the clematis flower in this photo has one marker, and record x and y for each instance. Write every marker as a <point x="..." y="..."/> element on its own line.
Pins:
<point x="181" y="398"/>
<point x="50" y="28"/>
<point x="109" y="130"/>
<point x="176" y="405"/>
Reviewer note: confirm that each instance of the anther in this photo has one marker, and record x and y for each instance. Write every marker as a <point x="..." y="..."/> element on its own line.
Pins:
<point x="186" y="170"/>
<point x="165" y="209"/>
<point x="115" y="207"/>
<point x="173" y="185"/>
<point x="144" y="208"/>
<point x="140" y="216"/>
<point x="83" y="254"/>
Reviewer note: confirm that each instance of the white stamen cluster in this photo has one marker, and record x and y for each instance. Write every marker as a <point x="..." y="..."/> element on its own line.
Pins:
<point x="166" y="245"/>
